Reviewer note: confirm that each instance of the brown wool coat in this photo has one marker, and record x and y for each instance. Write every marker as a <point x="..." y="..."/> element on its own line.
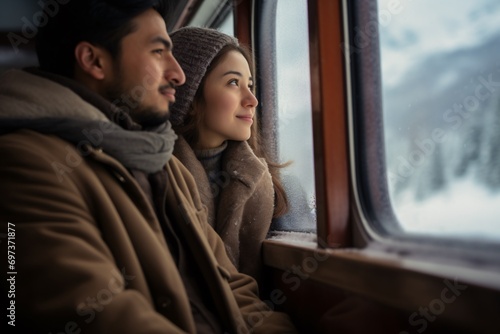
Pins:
<point x="75" y="237"/>
<point x="90" y="252"/>
<point x="246" y="201"/>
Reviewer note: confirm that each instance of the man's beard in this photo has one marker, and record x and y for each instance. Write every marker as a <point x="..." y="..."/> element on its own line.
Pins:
<point x="131" y="104"/>
<point x="149" y="117"/>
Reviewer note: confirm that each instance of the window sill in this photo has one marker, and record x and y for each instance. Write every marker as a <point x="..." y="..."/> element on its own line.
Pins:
<point x="405" y="283"/>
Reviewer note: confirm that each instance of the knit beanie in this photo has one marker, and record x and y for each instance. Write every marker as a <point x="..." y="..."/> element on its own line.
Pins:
<point x="194" y="49"/>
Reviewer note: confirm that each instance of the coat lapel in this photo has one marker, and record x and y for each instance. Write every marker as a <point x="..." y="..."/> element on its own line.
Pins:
<point x="157" y="261"/>
<point x="245" y="171"/>
<point x="186" y="155"/>
<point x="193" y="216"/>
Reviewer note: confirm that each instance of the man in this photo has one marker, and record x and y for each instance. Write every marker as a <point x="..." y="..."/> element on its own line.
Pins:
<point x="106" y="228"/>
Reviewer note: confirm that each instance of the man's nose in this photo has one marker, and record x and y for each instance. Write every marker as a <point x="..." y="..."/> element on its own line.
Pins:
<point x="174" y="72"/>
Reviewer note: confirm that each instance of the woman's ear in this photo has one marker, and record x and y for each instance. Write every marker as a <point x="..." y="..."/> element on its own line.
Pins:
<point x="91" y="60"/>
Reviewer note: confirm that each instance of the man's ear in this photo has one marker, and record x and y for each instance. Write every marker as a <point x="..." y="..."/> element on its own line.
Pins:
<point x="92" y="60"/>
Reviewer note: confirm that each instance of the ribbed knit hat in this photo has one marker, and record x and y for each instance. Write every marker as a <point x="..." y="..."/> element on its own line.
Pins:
<point x="194" y="49"/>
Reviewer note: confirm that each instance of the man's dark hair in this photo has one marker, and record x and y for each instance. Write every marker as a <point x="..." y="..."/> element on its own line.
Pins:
<point x="101" y="22"/>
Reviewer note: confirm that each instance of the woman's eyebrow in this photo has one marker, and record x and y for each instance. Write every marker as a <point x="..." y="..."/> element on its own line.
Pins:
<point x="235" y="73"/>
<point x="232" y="72"/>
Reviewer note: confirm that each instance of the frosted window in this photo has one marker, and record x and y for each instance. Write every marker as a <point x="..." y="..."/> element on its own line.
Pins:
<point x="440" y="65"/>
<point x="294" y="132"/>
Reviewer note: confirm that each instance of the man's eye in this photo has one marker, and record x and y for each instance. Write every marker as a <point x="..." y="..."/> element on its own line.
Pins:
<point x="158" y="51"/>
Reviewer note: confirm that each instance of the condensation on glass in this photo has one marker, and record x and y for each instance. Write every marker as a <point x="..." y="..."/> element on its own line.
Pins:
<point x="440" y="63"/>
<point x="294" y="120"/>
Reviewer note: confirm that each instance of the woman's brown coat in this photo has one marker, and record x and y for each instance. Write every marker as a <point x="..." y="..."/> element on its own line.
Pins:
<point x="245" y="205"/>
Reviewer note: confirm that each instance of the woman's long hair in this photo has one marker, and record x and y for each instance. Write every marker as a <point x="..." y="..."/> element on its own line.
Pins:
<point x="189" y="129"/>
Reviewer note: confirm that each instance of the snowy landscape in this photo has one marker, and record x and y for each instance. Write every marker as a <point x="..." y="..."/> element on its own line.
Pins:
<point x="441" y="101"/>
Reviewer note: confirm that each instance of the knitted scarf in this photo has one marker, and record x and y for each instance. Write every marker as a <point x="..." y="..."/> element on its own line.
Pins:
<point x="62" y="107"/>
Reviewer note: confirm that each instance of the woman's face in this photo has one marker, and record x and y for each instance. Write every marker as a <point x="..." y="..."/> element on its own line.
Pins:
<point x="229" y="105"/>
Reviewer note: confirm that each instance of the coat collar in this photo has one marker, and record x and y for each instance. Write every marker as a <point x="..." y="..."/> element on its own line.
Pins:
<point x="28" y="96"/>
<point x="244" y="170"/>
<point x="241" y="163"/>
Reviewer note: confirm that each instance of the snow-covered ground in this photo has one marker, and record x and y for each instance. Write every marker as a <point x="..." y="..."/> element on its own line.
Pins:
<point x="463" y="209"/>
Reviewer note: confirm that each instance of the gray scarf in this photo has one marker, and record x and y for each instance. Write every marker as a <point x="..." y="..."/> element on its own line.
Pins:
<point x="29" y="101"/>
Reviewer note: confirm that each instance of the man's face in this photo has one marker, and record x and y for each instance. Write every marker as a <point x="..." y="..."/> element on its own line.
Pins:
<point x="144" y="77"/>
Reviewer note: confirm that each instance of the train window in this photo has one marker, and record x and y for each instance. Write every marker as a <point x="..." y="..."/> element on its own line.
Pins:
<point x="227" y="25"/>
<point x="286" y="105"/>
<point x="16" y="47"/>
<point x="440" y="100"/>
<point x="217" y="14"/>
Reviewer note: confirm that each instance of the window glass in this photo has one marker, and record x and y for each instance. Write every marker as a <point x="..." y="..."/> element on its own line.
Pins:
<point x="294" y="120"/>
<point x="440" y="63"/>
<point x="17" y="45"/>
<point x="227" y="26"/>
<point x="15" y="13"/>
<point x="216" y="14"/>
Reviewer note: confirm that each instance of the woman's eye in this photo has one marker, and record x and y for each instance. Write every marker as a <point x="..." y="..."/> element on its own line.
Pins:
<point x="233" y="82"/>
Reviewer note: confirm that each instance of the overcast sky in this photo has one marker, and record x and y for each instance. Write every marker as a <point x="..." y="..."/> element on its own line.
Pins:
<point x="425" y="27"/>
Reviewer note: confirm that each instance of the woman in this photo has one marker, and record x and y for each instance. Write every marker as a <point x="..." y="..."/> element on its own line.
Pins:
<point x="214" y="116"/>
